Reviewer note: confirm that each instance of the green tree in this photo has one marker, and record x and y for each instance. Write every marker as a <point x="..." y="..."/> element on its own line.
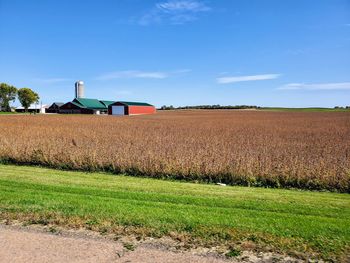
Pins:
<point x="26" y="97"/>
<point x="7" y="94"/>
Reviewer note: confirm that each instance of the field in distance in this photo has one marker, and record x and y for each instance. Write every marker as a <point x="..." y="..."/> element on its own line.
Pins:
<point x="301" y="223"/>
<point x="306" y="109"/>
<point x="258" y="148"/>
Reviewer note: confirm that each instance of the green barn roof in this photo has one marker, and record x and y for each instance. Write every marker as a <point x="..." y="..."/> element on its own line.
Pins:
<point x="107" y="102"/>
<point x="130" y="103"/>
<point x="77" y="104"/>
<point x="90" y="103"/>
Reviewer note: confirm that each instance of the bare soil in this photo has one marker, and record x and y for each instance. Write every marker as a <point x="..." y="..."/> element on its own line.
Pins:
<point x="46" y="244"/>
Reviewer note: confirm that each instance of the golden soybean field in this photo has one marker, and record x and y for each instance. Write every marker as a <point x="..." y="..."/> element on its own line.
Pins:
<point x="309" y="150"/>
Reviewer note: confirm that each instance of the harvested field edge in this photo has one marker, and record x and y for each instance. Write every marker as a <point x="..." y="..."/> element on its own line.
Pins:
<point x="229" y="179"/>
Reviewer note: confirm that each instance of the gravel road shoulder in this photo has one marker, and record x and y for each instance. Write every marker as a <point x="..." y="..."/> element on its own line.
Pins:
<point x="22" y="244"/>
<point x="43" y="244"/>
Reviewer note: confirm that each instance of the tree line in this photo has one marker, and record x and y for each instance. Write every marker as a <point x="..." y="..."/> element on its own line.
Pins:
<point x="9" y="93"/>
<point x="210" y="107"/>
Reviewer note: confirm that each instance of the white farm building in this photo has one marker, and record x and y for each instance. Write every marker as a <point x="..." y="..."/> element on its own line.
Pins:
<point x="33" y="108"/>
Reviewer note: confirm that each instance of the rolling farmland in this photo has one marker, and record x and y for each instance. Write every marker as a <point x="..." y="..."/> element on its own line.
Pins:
<point x="309" y="150"/>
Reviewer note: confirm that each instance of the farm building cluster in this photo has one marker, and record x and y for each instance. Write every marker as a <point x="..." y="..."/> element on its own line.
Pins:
<point x="81" y="105"/>
<point x="94" y="106"/>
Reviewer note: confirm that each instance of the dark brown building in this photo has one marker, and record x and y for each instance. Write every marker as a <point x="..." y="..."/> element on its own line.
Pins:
<point x="85" y="106"/>
<point x="55" y="107"/>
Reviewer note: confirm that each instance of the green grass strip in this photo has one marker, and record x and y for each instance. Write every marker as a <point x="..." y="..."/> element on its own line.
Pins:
<point x="299" y="222"/>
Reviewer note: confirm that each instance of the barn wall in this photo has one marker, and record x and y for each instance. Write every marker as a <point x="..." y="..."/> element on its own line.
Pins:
<point x="71" y="111"/>
<point x="133" y="110"/>
<point x="70" y="108"/>
<point x="53" y="109"/>
<point x="76" y="111"/>
<point x="141" y="110"/>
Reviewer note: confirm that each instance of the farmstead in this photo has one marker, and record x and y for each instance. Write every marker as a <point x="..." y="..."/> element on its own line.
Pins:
<point x="81" y="105"/>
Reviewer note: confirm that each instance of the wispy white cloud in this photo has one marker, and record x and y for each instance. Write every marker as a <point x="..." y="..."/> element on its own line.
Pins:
<point x="227" y="80"/>
<point x="316" y="86"/>
<point x="130" y="74"/>
<point x="51" y="80"/>
<point x="179" y="71"/>
<point x="174" y="12"/>
<point x="133" y="74"/>
<point x="183" y="6"/>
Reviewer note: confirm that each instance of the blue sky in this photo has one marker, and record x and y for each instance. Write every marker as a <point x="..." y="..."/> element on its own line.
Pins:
<point x="292" y="53"/>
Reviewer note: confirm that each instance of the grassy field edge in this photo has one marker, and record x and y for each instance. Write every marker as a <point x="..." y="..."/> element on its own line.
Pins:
<point x="300" y="223"/>
<point x="229" y="179"/>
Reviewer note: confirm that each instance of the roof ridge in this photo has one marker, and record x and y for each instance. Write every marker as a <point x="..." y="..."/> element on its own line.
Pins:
<point x="90" y="103"/>
<point x="134" y="103"/>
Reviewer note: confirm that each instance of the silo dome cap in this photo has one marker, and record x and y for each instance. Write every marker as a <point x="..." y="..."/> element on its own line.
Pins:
<point x="80" y="82"/>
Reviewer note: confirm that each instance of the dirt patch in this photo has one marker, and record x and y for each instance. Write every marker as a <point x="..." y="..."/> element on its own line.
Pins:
<point x="47" y="244"/>
<point x="18" y="245"/>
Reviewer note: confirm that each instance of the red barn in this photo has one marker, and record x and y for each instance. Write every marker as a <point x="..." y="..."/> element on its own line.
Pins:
<point x="130" y="108"/>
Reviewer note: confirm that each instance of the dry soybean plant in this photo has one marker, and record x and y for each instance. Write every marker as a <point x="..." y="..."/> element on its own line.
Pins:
<point x="309" y="150"/>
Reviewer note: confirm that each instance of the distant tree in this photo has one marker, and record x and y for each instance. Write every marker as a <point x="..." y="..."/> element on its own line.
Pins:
<point x="7" y="94"/>
<point x="217" y="106"/>
<point x="164" y="107"/>
<point x="210" y="107"/>
<point x="26" y="97"/>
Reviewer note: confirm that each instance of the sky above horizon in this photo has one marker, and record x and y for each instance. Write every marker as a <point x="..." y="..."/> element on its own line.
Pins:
<point x="291" y="53"/>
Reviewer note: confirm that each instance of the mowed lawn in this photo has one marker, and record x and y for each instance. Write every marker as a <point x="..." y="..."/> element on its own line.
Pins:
<point x="293" y="221"/>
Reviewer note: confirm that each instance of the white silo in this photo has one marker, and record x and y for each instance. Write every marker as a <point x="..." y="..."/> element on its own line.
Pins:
<point x="79" y="89"/>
